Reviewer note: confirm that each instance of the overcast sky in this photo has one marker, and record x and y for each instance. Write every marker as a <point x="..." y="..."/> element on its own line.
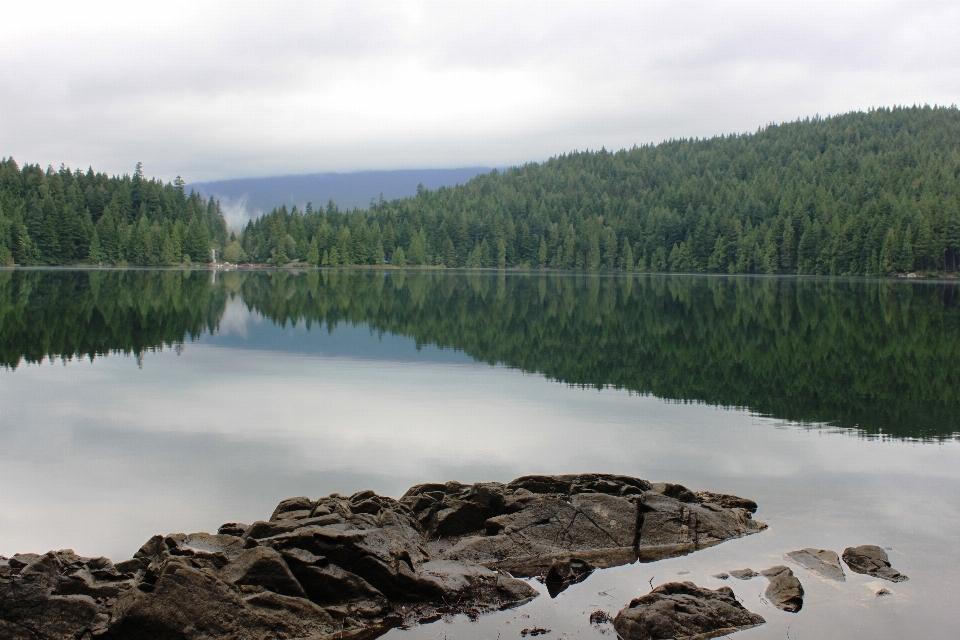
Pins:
<point x="221" y="90"/>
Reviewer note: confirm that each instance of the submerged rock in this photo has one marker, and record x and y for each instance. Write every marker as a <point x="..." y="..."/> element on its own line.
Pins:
<point x="784" y="591"/>
<point x="684" y="610"/>
<point x="744" y="574"/>
<point x="872" y="561"/>
<point x="365" y="563"/>
<point x="823" y="562"/>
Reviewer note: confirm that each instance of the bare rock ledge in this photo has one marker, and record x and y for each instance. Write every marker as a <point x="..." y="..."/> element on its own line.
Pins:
<point x="357" y="566"/>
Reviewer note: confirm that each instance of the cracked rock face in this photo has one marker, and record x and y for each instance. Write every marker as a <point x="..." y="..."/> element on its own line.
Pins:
<point x="684" y="610"/>
<point x="365" y="563"/>
<point x="606" y="520"/>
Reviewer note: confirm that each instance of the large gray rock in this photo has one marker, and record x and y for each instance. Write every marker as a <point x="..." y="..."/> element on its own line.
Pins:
<point x="822" y="562"/>
<point x="683" y="610"/>
<point x="872" y="560"/>
<point x="603" y="519"/>
<point x="189" y="603"/>
<point x="365" y="562"/>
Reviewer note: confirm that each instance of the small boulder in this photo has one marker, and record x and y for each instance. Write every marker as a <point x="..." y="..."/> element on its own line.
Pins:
<point x="264" y="567"/>
<point x="232" y="529"/>
<point x="784" y="591"/>
<point x="683" y="610"/>
<point x="300" y="503"/>
<point x="823" y="562"/>
<point x="873" y="561"/>
<point x="744" y="574"/>
<point x="564" y="572"/>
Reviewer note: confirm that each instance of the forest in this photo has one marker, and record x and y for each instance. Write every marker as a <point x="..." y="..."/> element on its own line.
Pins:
<point x="63" y="217"/>
<point x="863" y="193"/>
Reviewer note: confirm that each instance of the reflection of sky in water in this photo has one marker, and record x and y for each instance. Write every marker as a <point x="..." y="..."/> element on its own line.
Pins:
<point x="99" y="457"/>
<point x="242" y="329"/>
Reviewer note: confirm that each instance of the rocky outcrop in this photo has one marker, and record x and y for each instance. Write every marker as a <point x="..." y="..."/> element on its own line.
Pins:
<point x="784" y="590"/>
<point x="684" y="610"/>
<point x="872" y="561"/>
<point x="606" y="520"/>
<point x="364" y="563"/>
<point x="822" y="562"/>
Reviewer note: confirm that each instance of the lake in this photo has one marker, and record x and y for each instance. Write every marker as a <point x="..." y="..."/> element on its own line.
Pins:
<point x="136" y="402"/>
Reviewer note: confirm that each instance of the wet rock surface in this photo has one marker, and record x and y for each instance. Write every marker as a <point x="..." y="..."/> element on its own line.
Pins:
<point x="362" y="564"/>
<point x="564" y="572"/>
<point x="822" y="562"/>
<point x="873" y="561"/>
<point x="606" y="520"/>
<point x="743" y="574"/>
<point x="784" y="590"/>
<point x="684" y="610"/>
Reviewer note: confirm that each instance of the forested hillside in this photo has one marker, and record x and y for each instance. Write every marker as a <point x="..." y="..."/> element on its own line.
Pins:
<point x="68" y="217"/>
<point x="862" y="193"/>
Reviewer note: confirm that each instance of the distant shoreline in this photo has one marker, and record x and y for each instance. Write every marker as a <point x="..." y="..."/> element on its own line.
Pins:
<point x="946" y="277"/>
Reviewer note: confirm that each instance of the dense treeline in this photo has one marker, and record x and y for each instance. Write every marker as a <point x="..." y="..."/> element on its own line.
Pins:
<point x="879" y="356"/>
<point x="69" y="217"/>
<point x="873" y="193"/>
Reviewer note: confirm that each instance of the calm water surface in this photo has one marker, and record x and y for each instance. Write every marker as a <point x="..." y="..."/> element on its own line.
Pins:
<point x="143" y="402"/>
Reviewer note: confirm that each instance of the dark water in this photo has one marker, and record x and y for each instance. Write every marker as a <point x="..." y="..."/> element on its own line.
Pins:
<point x="142" y="402"/>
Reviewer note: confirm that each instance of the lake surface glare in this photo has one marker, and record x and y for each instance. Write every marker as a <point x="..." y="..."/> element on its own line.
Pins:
<point x="831" y="403"/>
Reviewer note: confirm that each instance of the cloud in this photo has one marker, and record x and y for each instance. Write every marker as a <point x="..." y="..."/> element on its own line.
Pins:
<point x="220" y="90"/>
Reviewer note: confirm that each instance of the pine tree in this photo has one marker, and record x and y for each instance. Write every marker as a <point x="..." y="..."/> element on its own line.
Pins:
<point x="313" y="254"/>
<point x="96" y="252"/>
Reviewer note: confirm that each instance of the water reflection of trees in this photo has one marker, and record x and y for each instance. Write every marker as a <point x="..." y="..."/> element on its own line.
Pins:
<point x="880" y="356"/>
<point x="77" y="314"/>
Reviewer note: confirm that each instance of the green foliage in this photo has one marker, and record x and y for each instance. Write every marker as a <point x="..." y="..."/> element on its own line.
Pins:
<point x="234" y="253"/>
<point x="873" y="193"/>
<point x="63" y="217"/>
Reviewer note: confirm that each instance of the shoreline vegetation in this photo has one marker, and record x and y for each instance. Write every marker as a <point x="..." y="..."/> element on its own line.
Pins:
<point x="866" y="193"/>
<point x="301" y="267"/>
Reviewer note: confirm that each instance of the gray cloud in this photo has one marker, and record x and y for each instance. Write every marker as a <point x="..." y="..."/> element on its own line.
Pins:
<point x="220" y="90"/>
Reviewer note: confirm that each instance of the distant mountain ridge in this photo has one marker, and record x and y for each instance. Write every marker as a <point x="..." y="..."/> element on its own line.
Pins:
<point x="347" y="190"/>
